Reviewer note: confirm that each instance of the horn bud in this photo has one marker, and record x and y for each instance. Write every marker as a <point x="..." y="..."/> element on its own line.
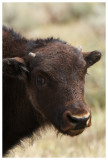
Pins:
<point x="32" y="54"/>
<point x="79" y="48"/>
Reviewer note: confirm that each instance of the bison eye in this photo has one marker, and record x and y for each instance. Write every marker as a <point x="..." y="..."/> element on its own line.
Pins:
<point x="41" y="81"/>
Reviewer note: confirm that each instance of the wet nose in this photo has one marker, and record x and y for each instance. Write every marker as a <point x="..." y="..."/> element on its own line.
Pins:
<point x="76" y="122"/>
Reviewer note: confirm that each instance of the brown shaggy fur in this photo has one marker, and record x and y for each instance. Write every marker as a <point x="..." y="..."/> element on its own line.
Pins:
<point x="47" y="88"/>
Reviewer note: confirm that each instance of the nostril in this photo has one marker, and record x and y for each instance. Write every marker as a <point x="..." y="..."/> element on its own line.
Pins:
<point x="80" y="120"/>
<point x="72" y="119"/>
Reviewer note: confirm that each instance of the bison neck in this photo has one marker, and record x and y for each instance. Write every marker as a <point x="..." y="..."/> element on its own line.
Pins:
<point x="19" y="117"/>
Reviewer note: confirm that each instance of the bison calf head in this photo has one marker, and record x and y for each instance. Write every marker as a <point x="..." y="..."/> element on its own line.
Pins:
<point x="54" y="76"/>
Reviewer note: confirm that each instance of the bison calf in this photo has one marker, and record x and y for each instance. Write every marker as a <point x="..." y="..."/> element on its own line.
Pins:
<point x="43" y="84"/>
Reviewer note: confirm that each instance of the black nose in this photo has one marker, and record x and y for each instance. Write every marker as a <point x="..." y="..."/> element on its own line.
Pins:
<point x="76" y="122"/>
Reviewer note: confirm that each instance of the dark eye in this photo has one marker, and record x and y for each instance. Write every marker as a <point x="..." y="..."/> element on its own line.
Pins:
<point x="41" y="80"/>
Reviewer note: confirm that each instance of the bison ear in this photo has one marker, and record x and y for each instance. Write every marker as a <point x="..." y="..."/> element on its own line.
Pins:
<point x="14" y="67"/>
<point x="91" y="57"/>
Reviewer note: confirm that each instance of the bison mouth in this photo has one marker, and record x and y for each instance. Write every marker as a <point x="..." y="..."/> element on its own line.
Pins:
<point x="70" y="132"/>
<point x="73" y="132"/>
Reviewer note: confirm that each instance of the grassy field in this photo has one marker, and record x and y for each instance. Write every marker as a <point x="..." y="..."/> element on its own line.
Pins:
<point x="90" y="33"/>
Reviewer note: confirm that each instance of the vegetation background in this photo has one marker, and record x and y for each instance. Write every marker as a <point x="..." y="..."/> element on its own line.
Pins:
<point x="78" y="24"/>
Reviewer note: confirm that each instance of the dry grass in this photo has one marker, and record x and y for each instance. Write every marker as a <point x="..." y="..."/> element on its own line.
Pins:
<point x="91" y="143"/>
